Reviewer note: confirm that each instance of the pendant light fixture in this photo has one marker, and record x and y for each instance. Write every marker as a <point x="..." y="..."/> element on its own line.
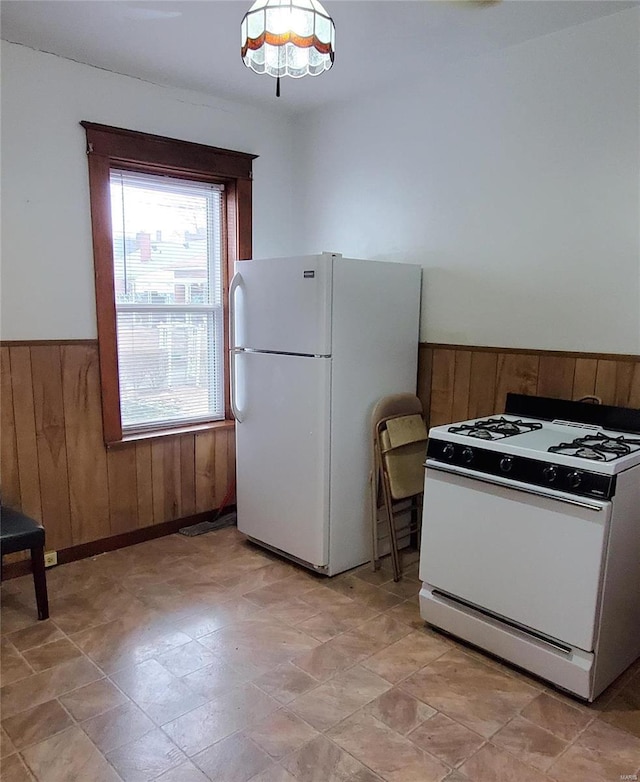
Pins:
<point x="288" y="38"/>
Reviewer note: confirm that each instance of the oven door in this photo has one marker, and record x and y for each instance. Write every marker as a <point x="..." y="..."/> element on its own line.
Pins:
<point x="529" y="555"/>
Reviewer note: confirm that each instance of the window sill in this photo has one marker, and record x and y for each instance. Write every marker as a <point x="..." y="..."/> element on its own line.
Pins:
<point x="157" y="434"/>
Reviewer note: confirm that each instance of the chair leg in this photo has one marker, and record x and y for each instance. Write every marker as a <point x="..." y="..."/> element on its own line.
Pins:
<point x="40" y="582"/>
<point x="393" y="542"/>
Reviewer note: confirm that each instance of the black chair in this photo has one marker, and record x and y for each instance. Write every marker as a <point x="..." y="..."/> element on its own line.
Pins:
<point x="18" y="533"/>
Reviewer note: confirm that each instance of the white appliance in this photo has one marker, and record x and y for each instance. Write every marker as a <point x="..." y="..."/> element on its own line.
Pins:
<point x="531" y="538"/>
<point x="315" y="342"/>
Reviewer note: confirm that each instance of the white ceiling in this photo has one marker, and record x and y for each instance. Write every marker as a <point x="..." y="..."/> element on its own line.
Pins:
<point x="196" y="44"/>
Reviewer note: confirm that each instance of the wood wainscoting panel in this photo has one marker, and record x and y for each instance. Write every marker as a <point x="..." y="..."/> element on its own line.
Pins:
<point x="9" y="474"/>
<point x="46" y="370"/>
<point x="56" y="468"/>
<point x="482" y="384"/>
<point x="25" y="425"/>
<point x="88" y="488"/>
<point x="144" y="482"/>
<point x="459" y="382"/>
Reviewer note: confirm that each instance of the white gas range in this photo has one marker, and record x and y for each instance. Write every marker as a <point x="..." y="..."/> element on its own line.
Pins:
<point x="531" y="538"/>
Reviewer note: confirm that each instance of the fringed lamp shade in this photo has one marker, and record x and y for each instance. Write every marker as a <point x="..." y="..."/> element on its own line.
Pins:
<point x="288" y="38"/>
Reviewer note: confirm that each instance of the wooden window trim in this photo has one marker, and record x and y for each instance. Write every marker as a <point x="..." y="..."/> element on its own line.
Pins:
<point x="109" y="147"/>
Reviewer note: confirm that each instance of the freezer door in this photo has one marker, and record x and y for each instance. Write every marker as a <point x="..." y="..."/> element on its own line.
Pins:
<point x="282" y="448"/>
<point x="283" y="304"/>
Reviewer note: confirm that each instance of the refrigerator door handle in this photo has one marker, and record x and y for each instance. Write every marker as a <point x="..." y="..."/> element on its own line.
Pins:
<point x="235" y="283"/>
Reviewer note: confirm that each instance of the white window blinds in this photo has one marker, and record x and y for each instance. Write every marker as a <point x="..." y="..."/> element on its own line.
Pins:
<point x="167" y="257"/>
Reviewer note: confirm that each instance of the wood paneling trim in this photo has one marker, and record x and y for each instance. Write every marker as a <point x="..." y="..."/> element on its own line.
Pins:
<point x="564" y="353"/>
<point x="14" y="343"/>
<point x="459" y="382"/>
<point x="95" y="548"/>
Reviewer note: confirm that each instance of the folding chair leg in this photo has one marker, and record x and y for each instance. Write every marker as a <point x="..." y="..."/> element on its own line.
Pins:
<point x="393" y="543"/>
<point x="373" y="486"/>
<point x="40" y="582"/>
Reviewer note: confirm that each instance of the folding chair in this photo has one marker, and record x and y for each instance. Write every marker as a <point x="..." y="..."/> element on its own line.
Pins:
<point x="399" y="450"/>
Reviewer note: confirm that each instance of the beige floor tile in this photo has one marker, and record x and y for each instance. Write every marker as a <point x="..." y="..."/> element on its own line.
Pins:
<point x="339" y="697"/>
<point x="68" y="757"/>
<point x="117" y="726"/>
<point x="280" y="591"/>
<point x="322" y="761"/>
<point x="293" y="612"/>
<point x="6" y="745"/>
<point x="49" y="684"/>
<point x="490" y="764"/>
<point x="325" y="599"/>
<point x="146" y="758"/>
<point x="609" y="741"/>
<point x="36" y="724"/>
<point x="399" y="711"/>
<point x="386" y="752"/>
<point x="234" y="610"/>
<point x="623" y="710"/>
<point x="268" y="574"/>
<point x="370" y="595"/>
<point x="258" y="645"/>
<point x="406" y="656"/>
<point x="214" y="679"/>
<point x="286" y="682"/>
<point x="274" y="774"/>
<point x="42" y="633"/>
<point x="92" y="699"/>
<point x="185" y="772"/>
<point x="159" y="694"/>
<point x="17" y="612"/>
<point x="49" y="655"/>
<point x="13" y="666"/>
<point x="14" y="770"/>
<point x="558" y="717"/>
<point x="186" y="658"/>
<point x="446" y="740"/>
<point x="408" y="612"/>
<point x="474" y="694"/>
<point x="234" y="710"/>
<point x="336" y="655"/>
<point x="383" y="629"/>
<point x="234" y="759"/>
<point x="129" y="640"/>
<point x="529" y="742"/>
<point x="281" y="733"/>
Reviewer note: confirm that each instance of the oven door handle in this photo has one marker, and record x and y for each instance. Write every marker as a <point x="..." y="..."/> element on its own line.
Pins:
<point x="508" y="485"/>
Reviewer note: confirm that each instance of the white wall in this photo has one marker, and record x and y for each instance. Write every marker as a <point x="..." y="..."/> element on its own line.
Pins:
<point x="47" y="258"/>
<point x="513" y="179"/>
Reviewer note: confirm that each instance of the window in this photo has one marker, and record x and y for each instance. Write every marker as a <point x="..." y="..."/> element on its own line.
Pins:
<point x="169" y="218"/>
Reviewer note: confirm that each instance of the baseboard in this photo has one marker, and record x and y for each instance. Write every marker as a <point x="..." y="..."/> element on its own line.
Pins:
<point x="101" y="546"/>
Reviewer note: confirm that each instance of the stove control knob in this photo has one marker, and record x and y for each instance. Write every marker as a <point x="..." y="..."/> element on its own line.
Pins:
<point x="550" y="473"/>
<point x="467" y="455"/>
<point x="448" y="451"/>
<point x="506" y="463"/>
<point x="574" y="479"/>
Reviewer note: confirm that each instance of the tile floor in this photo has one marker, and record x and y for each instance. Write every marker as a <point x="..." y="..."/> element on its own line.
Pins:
<point x="194" y="659"/>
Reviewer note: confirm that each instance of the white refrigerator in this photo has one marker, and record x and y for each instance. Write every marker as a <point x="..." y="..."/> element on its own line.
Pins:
<point x="315" y="342"/>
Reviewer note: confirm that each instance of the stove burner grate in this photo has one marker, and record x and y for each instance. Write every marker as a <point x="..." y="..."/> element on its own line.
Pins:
<point x="495" y="428"/>
<point x="598" y="447"/>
